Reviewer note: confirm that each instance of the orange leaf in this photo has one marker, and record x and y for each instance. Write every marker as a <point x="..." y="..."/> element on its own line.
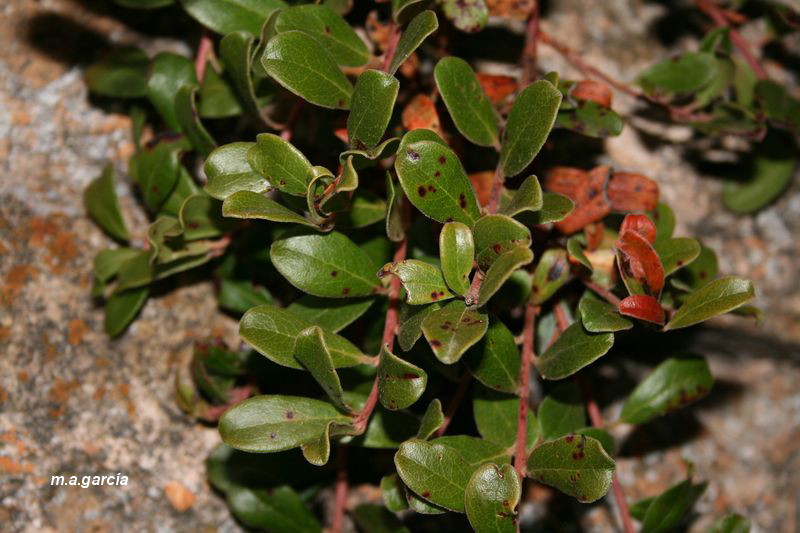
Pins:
<point x="640" y="224"/>
<point x="590" y="202"/>
<point x="420" y="113"/>
<point x="638" y="261"/>
<point x="628" y="192"/>
<point x="642" y="307"/>
<point x="513" y="9"/>
<point x="497" y="88"/>
<point x="482" y="183"/>
<point x="593" y="91"/>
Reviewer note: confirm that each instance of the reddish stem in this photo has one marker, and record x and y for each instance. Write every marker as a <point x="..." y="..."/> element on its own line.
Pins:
<point x="530" y="52"/>
<point x="607" y="295"/>
<point x="455" y="401"/>
<point x="720" y="18"/>
<point x="391" y="47"/>
<point x="597" y="421"/>
<point x="203" y="51"/>
<point x="528" y="356"/>
<point x="562" y="321"/>
<point x="340" y="490"/>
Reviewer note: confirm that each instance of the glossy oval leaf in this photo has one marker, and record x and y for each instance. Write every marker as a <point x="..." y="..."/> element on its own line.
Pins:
<point x="576" y="465"/>
<point x="674" y="383"/>
<point x="574" y="349"/>
<point x="251" y="205"/>
<point x="716" y="298"/>
<point x="120" y="74"/>
<point x="420" y="27"/>
<point x="492" y="495"/>
<point x="121" y="308"/>
<point x="435" y="472"/>
<point x="236" y="52"/>
<point x="272" y="332"/>
<point x="228" y="171"/>
<point x="373" y="103"/>
<point x="643" y="307"/>
<point x="312" y="352"/>
<point x="453" y="329"/>
<point x="527" y="198"/>
<point x="770" y="177"/>
<point x="431" y="420"/>
<point x="332" y="32"/>
<point x="687" y="73"/>
<point x="494" y="361"/>
<point x="393" y="492"/>
<point x="280" y="163"/>
<point x="639" y="265"/>
<point x="434" y="180"/>
<point x="167" y="74"/>
<point x="299" y="63"/>
<point x="677" y="253"/>
<point x="555" y="208"/>
<point x="423" y="282"/>
<point x="468" y="105"/>
<point x="599" y="316"/>
<point x="497" y="415"/>
<point x="669" y="508"/>
<point x="400" y="384"/>
<point x="331" y="315"/>
<point x="501" y="269"/>
<point x="456" y="254"/>
<point x="279" y="509"/>
<point x="227" y="16"/>
<point x="529" y="124"/>
<point x="562" y="412"/>
<point x="497" y="234"/>
<point x="551" y="274"/>
<point x="410" y="327"/>
<point x="329" y="265"/>
<point x="189" y="120"/>
<point x="272" y="423"/>
<point x="102" y="204"/>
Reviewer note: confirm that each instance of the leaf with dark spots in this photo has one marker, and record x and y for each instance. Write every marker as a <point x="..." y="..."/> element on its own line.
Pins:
<point x="640" y="224"/>
<point x="577" y="466"/>
<point x="551" y="274"/>
<point x="588" y="194"/>
<point x="410" y="327"/>
<point x="677" y="253"/>
<point x="280" y="163"/>
<point x="453" y="329"/>
<point x="491" y="499"/>
<point x="639" y="264"/>
<point x="423" y="282"/>
<point x="574" y="349"/>
<point x="628" y="192"/>
<point x="674" y="383"/>
<point x="400" y="384"/>
<point x="228" y="171"/>
<point x="497" y="234"/>
<point x="599" y="316"/>
<point x="643" y="307"/>
<point x="434" y="471"/>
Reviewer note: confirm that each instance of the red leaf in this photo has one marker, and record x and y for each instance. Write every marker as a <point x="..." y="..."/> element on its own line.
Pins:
<point x="637" y="259"/>
<point x="593" y="91"/>
<point x="565" y="180"/>
<point x="497" y="88"/>
<point x="594" y="235"/>
<point x="590" y="201"/>
<point x="640" y="224"/>
<point x="642" y="307"/>
<point x="628" y="192"/>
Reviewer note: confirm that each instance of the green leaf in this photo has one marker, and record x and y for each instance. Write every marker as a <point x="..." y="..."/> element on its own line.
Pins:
<point x="251" y="205"/>
<point x="393" y="492"/>
<point x="770" y="177"/>
<point x="491" y="498"/>
<point x="281" y="164"/>
<point x="312" y="352"/>
<point x="421" y="506"/>
<point x="121" y="74"/>
<point x="496" y="416"/>
<point x="576" y="465"/>
<point x="422" y="281"/>
<point x="674" y="383"/>
<point x="386" y="430"/>
<point x="228" y="171"/>
<point x="410" y="324"/>
<point x="501" y="270"/>
<point x="330" y="315"/>
<point x="431" y="420"/>
<point x="475" y="451"/>
<point x="167" y="74"/>
<point x="102" y="204"/>
<point x="158" y="171"/>
<point x="599" y="316"/>
<point x="372" y="518"/>
<point x="497" y="234"/>
<point x="529" y="124"/>
<point x="200" y="218"/>
<point x="591" y="119"/>
<point x="733" y="523"/>
<point x="403" y="10"/>
<point x="278" y="509"/>
<point x="420" y="27"/>
<point x="468" y="105"/>
<point x="318" y="451"/>
<point x="121" y="308"/>
<point x="144" y="4"/>
<point x="561" y="412"/>
<point x="600" y="435"/>
<point x="555" y="207"/>
<point x="677" y="253"/>
<point x="299" y="63"/>
<point x="703" y="269"/>
<point x="664" y="219"/>
<point x="272" y="332"/>
<point x="373" y="103"/>
<point x="574" y="349"/>
<point x="456" y="253"/>
<point x="453" y="329"/>
<point x="400" y="384"/>
<point x="551" y="274"/>
<point x="435" y="472"/>
<point x="239" y="296"/>
<point x="435" y="182"/>
<point x="236" y="51"/>
<point x="189" y="120"/>
<point x="226" y="16"/>
<point x="575" y="249"/>
<point x="272" y="423"/>
<point x="494" y="361"/>
<point x="394" y="211"/>
<point x="527" y="198"/>
<point x="365" y="209"/>
<point x="217" y="97"/>
<point x="718" y="297"/>
<point x="108" y="262"/>
<point x="330" y="30"/>
<point x="466" y="15"/>
<point x="667" y="510"/>
<point x="686" y="73"/>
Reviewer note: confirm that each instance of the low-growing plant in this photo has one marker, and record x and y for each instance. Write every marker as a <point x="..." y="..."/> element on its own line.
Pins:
<point x="433" y="324"/>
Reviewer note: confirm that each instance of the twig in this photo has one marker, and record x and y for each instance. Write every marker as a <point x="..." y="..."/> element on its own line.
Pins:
<point x="524" y="388"/>
<point x="597" y="421"/>
<point x="391" y="47"/>
<point x="602" y="291"/>
<point x="455" y="401"/>
<point x="562" y="322"/>
<point x="203" y="51"/>
<point x="340" y="491"/>
<point x="720" y="18"/>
